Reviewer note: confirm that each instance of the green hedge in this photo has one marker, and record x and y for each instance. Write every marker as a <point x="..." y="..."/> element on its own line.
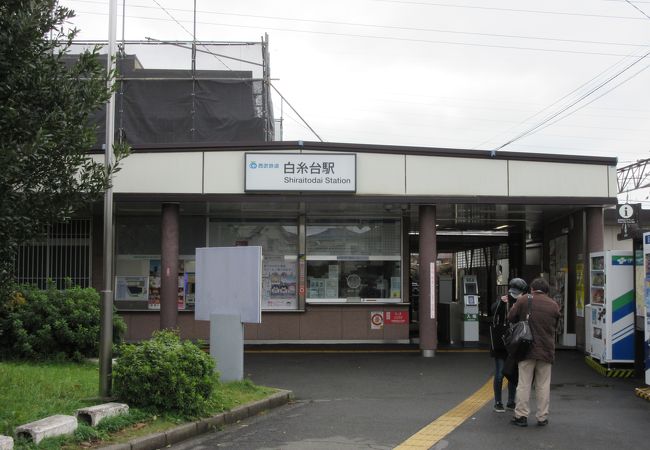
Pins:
<point x="165" y="374"/>
<point x="53" y="324"/>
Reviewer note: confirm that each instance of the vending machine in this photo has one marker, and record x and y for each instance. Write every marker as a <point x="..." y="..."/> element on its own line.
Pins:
<point x="470" y="309"/>
<point x="609" y="318"/>
<point x="646" y="316"/>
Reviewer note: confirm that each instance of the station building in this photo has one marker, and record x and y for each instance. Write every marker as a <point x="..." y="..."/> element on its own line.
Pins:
<point x="361" y="243"/>
<point x="393" y="232"/>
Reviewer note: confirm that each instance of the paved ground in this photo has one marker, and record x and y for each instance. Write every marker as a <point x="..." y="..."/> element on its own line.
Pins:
<point x="378" y="400"/>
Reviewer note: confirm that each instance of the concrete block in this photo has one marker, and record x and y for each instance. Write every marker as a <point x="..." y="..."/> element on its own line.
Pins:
<point x="6" y="443"/>
<point x="257" y="407"/>
<point x="49" y="427"/>
<point x="279" y="398"/>
<point x="181" y="433"/>
<point x="125" y="446"/>
<point x="151" y="442"/>
<point x="211" y="423"/>
<point x="236" y="414"/>
<point x="94" y="414"/>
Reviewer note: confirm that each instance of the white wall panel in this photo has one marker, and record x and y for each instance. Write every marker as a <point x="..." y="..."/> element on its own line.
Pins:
<point x="426" y="175"/>
<point x="160" y="173"/>
<point x="548" y="179"/>
<point x="377" y="174"/>
<point x="380" y="174"/>
<point x="613" y="181"/>
<point x="224" y="173"/>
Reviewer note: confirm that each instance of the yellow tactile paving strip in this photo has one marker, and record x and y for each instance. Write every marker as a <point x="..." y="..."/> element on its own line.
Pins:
<point x="643" y="392"/>
<point x="428" y="436"/>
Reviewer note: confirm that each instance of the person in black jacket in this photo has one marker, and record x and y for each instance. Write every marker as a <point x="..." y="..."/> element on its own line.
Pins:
<point x="500" y="309"/>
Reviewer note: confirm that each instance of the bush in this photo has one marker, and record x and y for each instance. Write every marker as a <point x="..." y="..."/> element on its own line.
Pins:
<point x="165" y="374"/>
<point x="53" y="324"/>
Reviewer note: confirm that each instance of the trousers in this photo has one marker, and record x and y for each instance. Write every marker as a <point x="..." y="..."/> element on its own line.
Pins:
<point x="540" y="372"/>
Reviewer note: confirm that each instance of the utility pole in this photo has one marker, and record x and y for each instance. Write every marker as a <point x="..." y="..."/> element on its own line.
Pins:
<point x="106" y="310"/>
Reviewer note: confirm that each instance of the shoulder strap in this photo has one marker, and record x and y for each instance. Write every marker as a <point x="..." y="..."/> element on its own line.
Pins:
<point x="496" y="311"/>
<point x="530" y="306"/>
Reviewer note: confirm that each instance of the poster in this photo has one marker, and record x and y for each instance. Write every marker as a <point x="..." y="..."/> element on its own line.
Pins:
<point x="131" y="288"/>
<point x="639" y="271"/>
<point x="180" y="301"/>
<point x="279" y="283"/>
<point x="395" y="287"/>
<point x="189" y="281"/>
<point x="558" y="279"/>
<point x="376" y="320"/>
<point x="154" y="284"/>
<point x="580" y="289"/>
<point x="396" y="317"/>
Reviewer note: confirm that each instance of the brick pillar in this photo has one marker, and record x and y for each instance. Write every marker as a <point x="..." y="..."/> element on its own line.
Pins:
<point x="595" y="230"/>
<point x="169" y="266"/>
<point x="427" y="259"/>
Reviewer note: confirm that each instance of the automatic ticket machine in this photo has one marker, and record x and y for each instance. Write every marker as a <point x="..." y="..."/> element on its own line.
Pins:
<point x="470" y="310"/>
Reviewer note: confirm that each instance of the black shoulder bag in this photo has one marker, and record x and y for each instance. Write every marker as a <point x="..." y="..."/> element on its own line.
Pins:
<point x="519" y="337"/>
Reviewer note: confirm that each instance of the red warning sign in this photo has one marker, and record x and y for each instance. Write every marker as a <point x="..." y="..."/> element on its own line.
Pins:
<point x="396" y="317"/>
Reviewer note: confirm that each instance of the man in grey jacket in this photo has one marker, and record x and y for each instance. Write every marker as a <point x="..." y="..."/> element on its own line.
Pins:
<point x="544" y="315"/>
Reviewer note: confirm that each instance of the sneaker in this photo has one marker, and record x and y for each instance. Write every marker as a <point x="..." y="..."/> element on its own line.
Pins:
<point x="498" y="407"/>
<point x="519" y="421"/>
<point x="542" y="423"/>
<point x="511" y="406"/>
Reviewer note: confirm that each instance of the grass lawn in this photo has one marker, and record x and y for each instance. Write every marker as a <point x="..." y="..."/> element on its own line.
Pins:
<point x="32" y="391"/>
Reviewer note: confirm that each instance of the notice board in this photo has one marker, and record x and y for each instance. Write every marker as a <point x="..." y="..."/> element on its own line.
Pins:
<point x="229" y="282"/>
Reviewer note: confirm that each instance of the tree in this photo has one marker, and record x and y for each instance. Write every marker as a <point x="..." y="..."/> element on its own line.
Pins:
<point x="45" y="133"/>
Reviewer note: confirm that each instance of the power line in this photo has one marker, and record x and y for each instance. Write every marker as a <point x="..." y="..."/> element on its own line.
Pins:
<point x="190" y="33"/>
<point x="390" y="27"/>
<point x="637" y="8"/>
<point x="554" y="115"/>
<point x="593" y="100"/>
<point x="582" y="86"/>
<point x="492" y="8"/>
<point x="389" y="38"/>
<point x="294" y="110"/>
<point x="173" y="18"/>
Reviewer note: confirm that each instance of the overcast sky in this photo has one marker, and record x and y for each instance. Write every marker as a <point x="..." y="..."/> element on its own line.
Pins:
<point x="470" y="74"/>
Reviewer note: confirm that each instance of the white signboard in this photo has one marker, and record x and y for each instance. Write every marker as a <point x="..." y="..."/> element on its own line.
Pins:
<point x="323" y="172"/>
<point x="229" y="282"/>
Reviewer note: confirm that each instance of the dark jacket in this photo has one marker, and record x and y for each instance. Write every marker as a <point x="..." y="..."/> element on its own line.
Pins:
<point x="499" y="325"/>
<point x="545" y="313"/>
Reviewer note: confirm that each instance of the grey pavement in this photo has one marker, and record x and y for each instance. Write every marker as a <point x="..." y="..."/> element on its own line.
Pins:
<point x="378" y="400"/>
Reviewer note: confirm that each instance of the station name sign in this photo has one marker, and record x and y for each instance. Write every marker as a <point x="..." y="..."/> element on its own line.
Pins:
<point x="315" y="172"/>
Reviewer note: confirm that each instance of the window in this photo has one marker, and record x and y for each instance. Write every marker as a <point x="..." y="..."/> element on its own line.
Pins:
<point x="137" y="262"/>
<point x="354" y="261"/>
<point x="279" y="242"/>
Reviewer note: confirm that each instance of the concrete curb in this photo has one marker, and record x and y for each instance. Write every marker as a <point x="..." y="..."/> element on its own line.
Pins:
<point x="192" y="429"/>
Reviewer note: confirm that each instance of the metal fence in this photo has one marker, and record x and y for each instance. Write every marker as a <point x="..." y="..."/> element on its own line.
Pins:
<point x="63" y="252"/>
